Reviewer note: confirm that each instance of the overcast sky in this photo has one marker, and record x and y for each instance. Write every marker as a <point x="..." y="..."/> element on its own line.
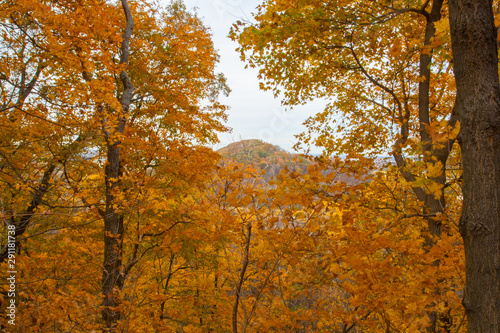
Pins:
<point x="254" y="114"/>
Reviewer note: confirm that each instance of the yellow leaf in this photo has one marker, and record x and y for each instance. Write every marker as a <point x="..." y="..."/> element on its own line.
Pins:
<point x="434" y="169"/>
<point x="497" y="20"/>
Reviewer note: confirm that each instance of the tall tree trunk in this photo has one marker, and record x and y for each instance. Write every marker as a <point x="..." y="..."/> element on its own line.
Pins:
<point x="113" y="237"/>
<point x="436" y="155"/>
<point x="112" y="277"/>
<point x="432" y="205"/>
<point x="474" y="46"/>
<point x="239" y="286"/>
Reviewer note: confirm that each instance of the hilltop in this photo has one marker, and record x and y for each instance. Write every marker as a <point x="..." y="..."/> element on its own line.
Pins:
<point x="265" y="156"/>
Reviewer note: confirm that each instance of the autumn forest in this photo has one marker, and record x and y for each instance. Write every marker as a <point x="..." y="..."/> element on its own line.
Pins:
<point x="119" y="216"/>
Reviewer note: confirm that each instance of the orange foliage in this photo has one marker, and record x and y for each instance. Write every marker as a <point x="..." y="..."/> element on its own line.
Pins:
<point x="211" y="245"/>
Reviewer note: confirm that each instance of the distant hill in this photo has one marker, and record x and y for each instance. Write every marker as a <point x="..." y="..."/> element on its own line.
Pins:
<point x="272" y="159"/>
<point x="265" y="156"/>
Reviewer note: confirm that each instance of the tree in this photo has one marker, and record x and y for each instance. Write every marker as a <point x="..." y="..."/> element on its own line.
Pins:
<point x="386" y="70"/>
<point x="125" y="221"/>
<point x="106" y="109"/>
<point x="305" y="252"/>
<point x="475" y="64"/>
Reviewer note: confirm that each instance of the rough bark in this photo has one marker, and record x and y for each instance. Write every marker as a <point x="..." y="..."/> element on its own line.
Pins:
<point x="475" y="57"/>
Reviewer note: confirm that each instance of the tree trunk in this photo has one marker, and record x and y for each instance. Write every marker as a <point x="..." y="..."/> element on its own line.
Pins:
<point x="475" y="57"/>
<point x="432" y="205"/>
<point x="113" y="236"/>
<point x="114" y="274"/>
<point x="239" y="286"/>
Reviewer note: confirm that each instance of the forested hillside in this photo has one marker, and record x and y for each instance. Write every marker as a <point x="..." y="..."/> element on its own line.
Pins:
<point x="273" y="160"/>
<point x="118" y="217"/>
<point x="267" y="157"/>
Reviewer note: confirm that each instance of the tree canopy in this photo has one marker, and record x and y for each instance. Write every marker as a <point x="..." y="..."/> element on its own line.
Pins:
<point x="118" y="217"/>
